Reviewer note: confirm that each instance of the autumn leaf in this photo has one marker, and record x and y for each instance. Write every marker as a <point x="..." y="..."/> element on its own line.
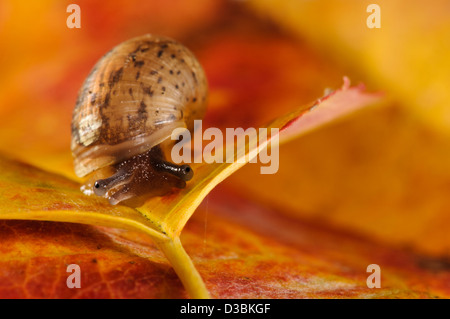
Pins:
<point x="275" y="257"/>
<point x="389" y="170"/>
<point x="411" y="35"/>
<point x="26" y="197"/>
<point x="353" y="193"/>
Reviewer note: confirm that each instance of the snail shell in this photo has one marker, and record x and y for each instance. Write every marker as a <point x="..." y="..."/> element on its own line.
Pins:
<point x="130" y="103"/>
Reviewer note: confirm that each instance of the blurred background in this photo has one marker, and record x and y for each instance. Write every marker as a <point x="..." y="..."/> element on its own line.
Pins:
<point x="383" y="173"/>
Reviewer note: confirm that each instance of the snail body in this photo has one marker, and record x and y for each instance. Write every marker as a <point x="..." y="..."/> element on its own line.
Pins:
<point x="126" y="110"/>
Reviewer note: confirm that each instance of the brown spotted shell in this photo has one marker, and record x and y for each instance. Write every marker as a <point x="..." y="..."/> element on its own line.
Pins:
<point x="133" y="99"/>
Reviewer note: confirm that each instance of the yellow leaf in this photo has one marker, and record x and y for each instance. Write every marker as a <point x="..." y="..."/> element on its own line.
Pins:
<point x="170" y="214"/>
<point x="32" y="194"/>
<point x="407" y="56"/>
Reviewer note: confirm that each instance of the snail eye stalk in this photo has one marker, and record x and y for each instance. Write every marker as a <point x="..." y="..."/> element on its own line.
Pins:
<point x="183" y="172"/>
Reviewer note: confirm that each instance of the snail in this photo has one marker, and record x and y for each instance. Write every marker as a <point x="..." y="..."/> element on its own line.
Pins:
<point x="126" y="110"/>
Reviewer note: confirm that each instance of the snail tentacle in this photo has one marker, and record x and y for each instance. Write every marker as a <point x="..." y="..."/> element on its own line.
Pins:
<point x="184" y="172"/>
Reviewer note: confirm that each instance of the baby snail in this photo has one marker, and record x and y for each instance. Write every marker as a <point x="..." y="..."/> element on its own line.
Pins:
<point x="126" y="110"/>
